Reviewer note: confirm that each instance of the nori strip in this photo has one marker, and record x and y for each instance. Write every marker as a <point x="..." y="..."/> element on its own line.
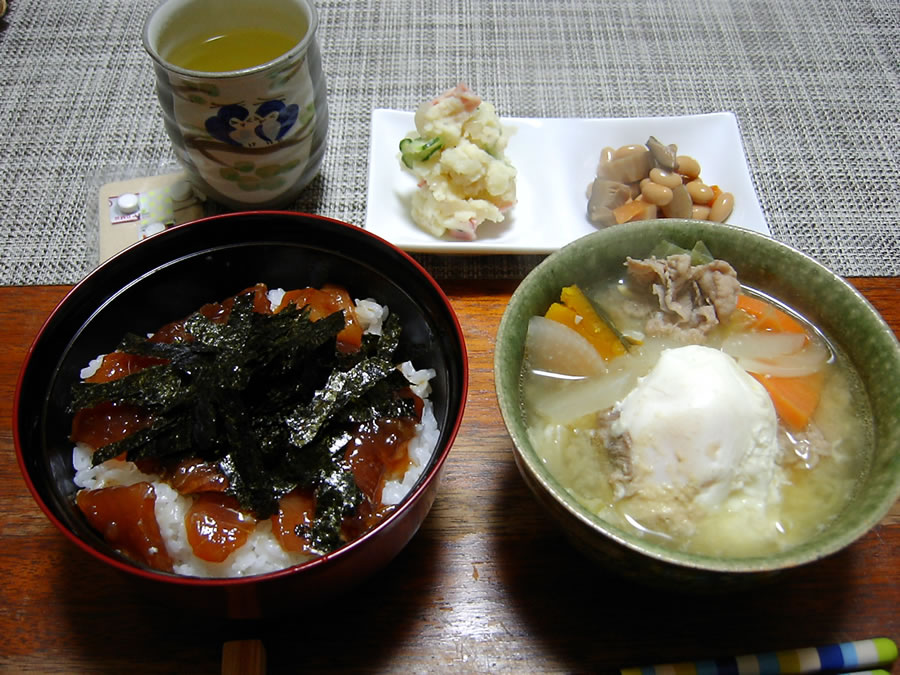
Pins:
<point x="268" y="397"/>
<point x="152" y="388"/>
<point x="380" y="402"/>
<point x="390" y="337"/>
<point x="341" y="388"/>
<point x="337" y="496"/>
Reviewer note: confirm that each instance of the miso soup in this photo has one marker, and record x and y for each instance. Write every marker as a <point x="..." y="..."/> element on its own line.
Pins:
<point x="723" y="424"/>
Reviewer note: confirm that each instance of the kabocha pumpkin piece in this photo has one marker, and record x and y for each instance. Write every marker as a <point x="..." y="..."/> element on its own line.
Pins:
<point x="577" y="312"/>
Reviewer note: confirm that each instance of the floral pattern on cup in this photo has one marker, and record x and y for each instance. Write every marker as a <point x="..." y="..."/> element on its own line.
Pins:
<point x="236" y="125"/>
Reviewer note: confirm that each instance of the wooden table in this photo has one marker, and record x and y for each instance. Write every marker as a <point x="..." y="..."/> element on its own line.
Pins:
<point x="487" y="584"/>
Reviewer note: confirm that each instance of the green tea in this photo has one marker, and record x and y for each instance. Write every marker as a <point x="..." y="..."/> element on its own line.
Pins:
<point x="234" y="49"/>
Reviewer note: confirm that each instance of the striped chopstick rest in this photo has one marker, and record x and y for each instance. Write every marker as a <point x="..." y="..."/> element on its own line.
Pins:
<point x="843" y="657"/>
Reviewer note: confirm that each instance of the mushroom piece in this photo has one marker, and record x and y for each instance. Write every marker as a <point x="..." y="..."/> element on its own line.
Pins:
<point x="605" y="196"/>
<point x="663" y="155"/>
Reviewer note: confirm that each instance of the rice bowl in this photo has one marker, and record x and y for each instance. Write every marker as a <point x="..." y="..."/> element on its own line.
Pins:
<point x="171" y="274"/>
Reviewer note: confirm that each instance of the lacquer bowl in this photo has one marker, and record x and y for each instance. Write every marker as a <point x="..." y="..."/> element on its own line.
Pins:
<point x="168" y="276"/>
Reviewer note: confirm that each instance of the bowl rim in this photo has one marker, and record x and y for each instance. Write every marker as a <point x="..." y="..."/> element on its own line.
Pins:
<point x="425" y="483"/>
<point x="527" y="459"/>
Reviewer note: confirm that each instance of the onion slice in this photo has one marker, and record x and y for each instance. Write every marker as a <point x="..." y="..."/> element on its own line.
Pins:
<point x="777" y="354"/>
<point x="765" y="346"/>
<point x="805" y="362"/>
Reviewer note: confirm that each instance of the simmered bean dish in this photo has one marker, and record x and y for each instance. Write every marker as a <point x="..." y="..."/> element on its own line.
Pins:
<point x="643" y="182"/>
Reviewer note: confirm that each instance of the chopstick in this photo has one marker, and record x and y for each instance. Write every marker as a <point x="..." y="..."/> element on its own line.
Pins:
<point x="845" y="657"/>
<point x="243" y="657"/>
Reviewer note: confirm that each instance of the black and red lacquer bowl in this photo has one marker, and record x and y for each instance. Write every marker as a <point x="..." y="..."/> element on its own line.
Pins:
<point x="168" y="276"/>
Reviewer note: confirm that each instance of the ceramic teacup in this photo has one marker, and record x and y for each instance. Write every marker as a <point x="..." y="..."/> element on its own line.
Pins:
<point x="242" y="94"/>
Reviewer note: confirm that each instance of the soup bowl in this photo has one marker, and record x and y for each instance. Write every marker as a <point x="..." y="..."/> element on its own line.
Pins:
<point x="170" y="275"/>
<point x="844" y="317"/>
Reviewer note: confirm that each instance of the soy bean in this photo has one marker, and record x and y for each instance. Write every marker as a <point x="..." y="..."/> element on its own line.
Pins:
<point x="688" y="166"/>
<point x="700" y="212"/>
<point x="722" y="207"/>
<point x="656" y="193"/>
<point x="663" y="177"/>
<point x="700" y="192"/>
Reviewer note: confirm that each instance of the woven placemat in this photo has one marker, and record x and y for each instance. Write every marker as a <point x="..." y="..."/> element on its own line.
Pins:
<point x="814" y="87"/>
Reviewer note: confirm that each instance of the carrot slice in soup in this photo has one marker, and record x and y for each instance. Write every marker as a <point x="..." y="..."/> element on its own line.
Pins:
<point x="768" y="317"/>
<point x="795" y="398"/>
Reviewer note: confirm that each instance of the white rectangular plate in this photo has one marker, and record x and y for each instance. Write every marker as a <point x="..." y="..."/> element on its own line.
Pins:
<point x="556" y="159"/>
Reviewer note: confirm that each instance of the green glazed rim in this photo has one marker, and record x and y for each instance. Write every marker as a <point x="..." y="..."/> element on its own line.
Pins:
<point x="842" y="314"/>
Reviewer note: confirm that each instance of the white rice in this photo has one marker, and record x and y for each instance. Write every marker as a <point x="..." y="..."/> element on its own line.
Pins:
<point x="371" y="315"/>
<point x="262" y="553"/>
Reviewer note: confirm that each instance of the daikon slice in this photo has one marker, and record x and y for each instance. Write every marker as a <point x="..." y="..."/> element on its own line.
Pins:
<point x="555" y="348"/>
<point x="564" y="401"/>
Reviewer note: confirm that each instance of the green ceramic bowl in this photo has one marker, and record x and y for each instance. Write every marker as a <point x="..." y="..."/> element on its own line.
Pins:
<point x="832" y="304"/>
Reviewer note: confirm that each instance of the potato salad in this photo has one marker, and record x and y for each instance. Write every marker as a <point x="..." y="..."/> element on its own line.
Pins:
<point x="456" y="155"/>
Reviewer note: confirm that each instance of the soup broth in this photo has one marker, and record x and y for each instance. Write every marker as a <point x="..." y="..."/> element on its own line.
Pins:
<point x="814" y="471"/>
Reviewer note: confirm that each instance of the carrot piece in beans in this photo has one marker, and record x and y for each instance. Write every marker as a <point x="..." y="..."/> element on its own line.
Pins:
<point x="767" y="316"/>
<point x="630" y="210"/>
<point x="795" y="398"/>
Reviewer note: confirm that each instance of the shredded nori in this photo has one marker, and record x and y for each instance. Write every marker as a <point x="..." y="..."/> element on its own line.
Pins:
<point x="342" y="387"/>
<point x="268" y="398"/>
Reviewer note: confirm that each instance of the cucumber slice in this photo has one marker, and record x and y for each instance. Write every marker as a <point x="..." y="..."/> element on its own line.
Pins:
<point x="419" y="149"/>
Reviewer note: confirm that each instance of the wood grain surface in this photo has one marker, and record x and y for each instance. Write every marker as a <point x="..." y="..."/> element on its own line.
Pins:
<point x="487" y="584"/>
